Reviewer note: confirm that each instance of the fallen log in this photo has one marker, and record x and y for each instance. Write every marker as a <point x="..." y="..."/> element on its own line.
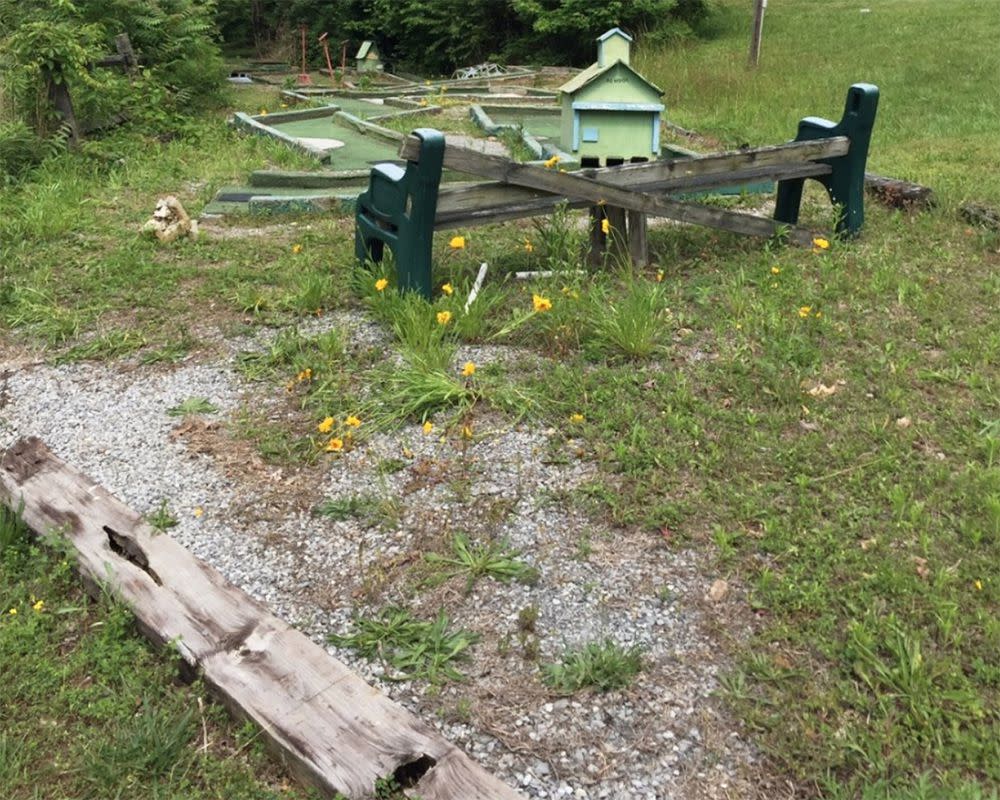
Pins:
<point x="896" y="193"/>
<point x="983" y="216"/>
<point x="330" y="727"/>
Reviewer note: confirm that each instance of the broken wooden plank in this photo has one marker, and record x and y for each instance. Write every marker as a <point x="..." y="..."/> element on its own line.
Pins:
<point x="331" y="728"/>
<point x="576" y="187"/>
<point x="454" y="202"/>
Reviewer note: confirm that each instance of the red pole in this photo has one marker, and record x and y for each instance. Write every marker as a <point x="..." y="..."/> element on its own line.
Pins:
<point x="326" y="52"/>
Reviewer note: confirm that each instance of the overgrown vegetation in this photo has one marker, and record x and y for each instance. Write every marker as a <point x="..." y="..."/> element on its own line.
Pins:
<point x="441" y="35"/>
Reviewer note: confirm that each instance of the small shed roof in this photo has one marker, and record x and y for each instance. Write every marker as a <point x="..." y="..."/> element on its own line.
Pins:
<point x="612" y="32"/>
<point x="594" y="71"/>
<point x="366" y="46"/>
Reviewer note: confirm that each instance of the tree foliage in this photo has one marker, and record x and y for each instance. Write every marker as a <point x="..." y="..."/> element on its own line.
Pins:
<point x="58" y="41"/>
<point x="439" y="35"/>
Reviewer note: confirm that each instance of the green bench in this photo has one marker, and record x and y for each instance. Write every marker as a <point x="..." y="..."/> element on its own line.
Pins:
<point x="846" y="182"/>
<point x="398" y="211"/>
<point x="402" y="207"/>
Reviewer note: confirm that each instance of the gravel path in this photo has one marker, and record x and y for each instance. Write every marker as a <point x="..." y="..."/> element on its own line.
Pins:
<point x="662" y="738"/>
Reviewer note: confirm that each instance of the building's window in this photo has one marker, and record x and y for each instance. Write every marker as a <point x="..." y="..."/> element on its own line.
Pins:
<point x="638" y="160"/>
<point x="590" y="161"/>
<point x="614" y="161"/>
<point x="590" y="134"/>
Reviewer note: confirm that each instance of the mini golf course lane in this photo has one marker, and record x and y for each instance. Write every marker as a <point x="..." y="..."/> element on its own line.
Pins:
<point x="349" y="148"/>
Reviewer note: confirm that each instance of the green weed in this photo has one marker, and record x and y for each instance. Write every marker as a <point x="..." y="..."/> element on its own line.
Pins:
<point x="192" y="405"/>
<point x="373" y="510"/>
<point x="162" y="519"/>
<point x="475" y="561"/>
<point x="415" y="649"/>
<point x="605" y="666"/>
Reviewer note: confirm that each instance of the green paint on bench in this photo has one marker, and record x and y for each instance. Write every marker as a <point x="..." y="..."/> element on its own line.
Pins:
<point x="846" y="184"/>
<point x="398" y="210"/>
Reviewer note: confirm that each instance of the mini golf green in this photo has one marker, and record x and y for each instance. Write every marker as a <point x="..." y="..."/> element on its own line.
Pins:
<point x="348" y="148"/>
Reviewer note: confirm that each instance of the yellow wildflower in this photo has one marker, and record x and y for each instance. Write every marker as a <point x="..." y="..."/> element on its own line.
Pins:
<point x="334" y="445"/>
<point x="305" y="374"/>
<point x="39" y="605"/>
<point x="605" y="226"/>
<point x="352" y="422"/>
<point x="659" y="276"/>
<point x="818" y="314"/>
<point x="457" y="242"/>
<point x="443" y="317"/>
<point x="551" y="162"/>
<point x="326" y="425"/>
<point x="448" y="289"/>
<point x="296" y="249"/>
<point x="979" y="585"/>
<point x="576" y="418"/>
<point x="805" y="311"/>
<point x="380" y="284"/>
<point x="428" y="426"/>
<point x="284" y="105"/>
<point x="528" y="246"/>
<point x="468" y="370"/>
<point x="290" y="386"/>
<point x="820" y="243"/>
<point x="466" y="431"/>
<point x="263" y="112"/>
<point x="198" y="511"/>
<point x="541" y="303"/>
<point x="775" y="270"/>
<point x="13" y="612"/>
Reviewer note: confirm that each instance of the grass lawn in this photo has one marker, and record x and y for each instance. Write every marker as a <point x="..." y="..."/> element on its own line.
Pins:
<point x="87" y="710"/>
<point x="823" y="427"/>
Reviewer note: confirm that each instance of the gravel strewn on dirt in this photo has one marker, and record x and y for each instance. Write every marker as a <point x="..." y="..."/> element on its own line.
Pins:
<point x="663" y="737"/>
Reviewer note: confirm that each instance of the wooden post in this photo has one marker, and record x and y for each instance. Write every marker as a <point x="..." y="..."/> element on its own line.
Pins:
<point x="758" y="31"/>
<point x="638" y="246"/>
<point x="61" y="101"/>
<point x="595" y="255"/>
<point x="124" y="47"/>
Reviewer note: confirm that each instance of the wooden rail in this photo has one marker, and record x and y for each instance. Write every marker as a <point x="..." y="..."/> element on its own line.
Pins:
<point x="331" y="728"/>
<point x="629" y="187"/>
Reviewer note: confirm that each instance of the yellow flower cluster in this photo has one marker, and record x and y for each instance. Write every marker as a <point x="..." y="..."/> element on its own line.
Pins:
<point x="541" y="303"/>
<point x="448" y="289"/>
<point x="380" y="284"/>
<point x="468" y="370"/>
<point x="337" y="443"/>
<point x="457" y="243"/>
<point x="549" y="163"/>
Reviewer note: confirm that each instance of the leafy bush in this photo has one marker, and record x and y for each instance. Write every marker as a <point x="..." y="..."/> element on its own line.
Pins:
<point x="45" y="44"/>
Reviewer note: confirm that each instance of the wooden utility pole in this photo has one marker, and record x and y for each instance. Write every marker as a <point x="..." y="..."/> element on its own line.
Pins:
<point x="758" y="31"/>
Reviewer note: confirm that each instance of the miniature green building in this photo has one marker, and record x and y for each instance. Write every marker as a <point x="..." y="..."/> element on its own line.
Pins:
<point x="610" y="113"/>
<point x="368" y="59"/>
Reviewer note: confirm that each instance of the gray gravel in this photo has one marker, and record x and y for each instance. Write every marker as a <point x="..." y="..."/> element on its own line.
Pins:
<point x="661" y="738"/>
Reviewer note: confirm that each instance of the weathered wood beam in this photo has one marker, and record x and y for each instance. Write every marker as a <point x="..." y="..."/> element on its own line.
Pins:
<point x="452" y="201"/>
<point x="576" y="187"/>
<point x="333" y="729"/>
<point x="896" y="193"/>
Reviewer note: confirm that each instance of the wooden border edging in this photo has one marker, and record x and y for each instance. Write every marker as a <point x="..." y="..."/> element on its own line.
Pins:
<point x="330" y="727"/>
